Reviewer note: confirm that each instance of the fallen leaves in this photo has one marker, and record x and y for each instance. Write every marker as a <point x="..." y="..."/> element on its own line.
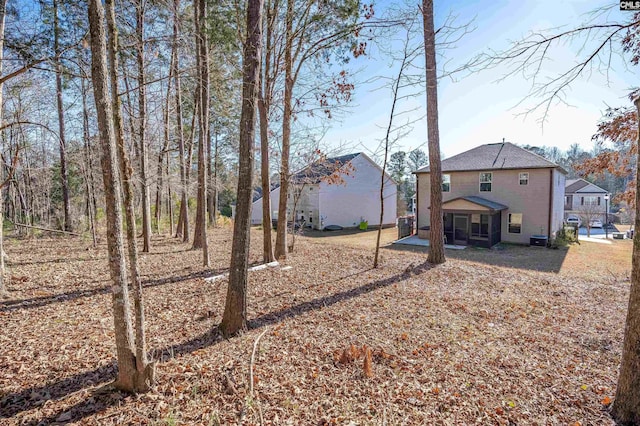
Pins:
<point x="349" y="345"/>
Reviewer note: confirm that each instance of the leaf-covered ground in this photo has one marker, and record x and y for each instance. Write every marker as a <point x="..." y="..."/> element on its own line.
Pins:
<point x="467" y="342"/>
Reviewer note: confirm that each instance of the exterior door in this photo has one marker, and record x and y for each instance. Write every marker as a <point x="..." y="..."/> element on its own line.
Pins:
<point x="460" y="229"/>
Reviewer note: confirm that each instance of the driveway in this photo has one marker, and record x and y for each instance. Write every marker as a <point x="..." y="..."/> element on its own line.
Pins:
<point x="597" y="233"/>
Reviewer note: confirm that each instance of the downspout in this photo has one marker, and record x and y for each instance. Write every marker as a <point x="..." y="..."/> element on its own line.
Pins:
<point x="550" y="204"/>
<point x="417" y="202"/>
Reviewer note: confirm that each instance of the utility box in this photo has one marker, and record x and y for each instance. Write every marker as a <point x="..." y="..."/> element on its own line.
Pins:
<point x="538" y="240"/>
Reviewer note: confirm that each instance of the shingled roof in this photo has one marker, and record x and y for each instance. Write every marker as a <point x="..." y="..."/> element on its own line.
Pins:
<point x="316" y="171"/>
<point x="572" y="185"/>
<point x="575" y="185"/>
<point x="494" y="156"/>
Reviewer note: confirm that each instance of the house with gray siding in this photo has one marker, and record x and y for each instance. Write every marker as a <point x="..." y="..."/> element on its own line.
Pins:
<point x="496" y="192"/>
<point x="581" y="196"/>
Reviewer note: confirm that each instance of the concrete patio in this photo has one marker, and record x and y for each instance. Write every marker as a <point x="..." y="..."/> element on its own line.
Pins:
<point x="413" y="240"/>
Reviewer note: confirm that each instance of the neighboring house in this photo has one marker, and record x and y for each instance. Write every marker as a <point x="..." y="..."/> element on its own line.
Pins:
<point x="496" y="192"/>
<point x="583" y="198"/>
<point x="343" y="191"/>
<point x="256" y="207"/>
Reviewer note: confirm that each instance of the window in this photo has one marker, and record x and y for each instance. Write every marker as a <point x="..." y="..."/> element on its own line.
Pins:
<point x="590" y="200"/>
<point x="485" y="181"/>
<point x="524" y="178"/>
<point x="480" y="226"/>
<point x="446" y="183"/>
<point x="515" y="223"/>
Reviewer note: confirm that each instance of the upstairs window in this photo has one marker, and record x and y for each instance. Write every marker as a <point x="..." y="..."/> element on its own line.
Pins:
<point x="446" y="183"/>
<point x="515" y="223"/>
<point x="485" y="181"/>
<point x="590" y="200"/>
<point x="524" y="178"/>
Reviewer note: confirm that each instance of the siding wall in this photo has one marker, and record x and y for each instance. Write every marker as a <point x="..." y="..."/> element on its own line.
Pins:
<point x="558" y="201"/>
<point x="256" y="207"/>
<point x="358" y="197"/>
<point x="308" y="204"/>
<point x="531" y="200"/>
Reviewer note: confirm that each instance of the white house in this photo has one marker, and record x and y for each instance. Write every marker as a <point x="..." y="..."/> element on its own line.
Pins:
<point x="342" y="191"/>
<point x="256" y="207"/>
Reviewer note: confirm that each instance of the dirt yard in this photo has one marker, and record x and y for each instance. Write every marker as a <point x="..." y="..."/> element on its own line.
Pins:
<point x="514" y="336"/>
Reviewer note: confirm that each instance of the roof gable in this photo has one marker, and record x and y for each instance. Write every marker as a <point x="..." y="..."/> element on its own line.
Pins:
<point x="494" y="156"/>
<point x="323" y="168"/>
<point x="582" y="186"/>
<point x="473" y="203"/>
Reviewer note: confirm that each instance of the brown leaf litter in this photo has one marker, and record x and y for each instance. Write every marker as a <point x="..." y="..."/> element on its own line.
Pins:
<point x="461" y="343"/>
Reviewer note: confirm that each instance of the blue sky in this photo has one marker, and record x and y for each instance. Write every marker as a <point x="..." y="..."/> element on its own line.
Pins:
<point x="477" y="109"/>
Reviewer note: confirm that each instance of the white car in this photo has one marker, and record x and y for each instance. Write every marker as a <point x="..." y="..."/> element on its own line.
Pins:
<point x="595" y="223"/>
<point x="574" y="220"/>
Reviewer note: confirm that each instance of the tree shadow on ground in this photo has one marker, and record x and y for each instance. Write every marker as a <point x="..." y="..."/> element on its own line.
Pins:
<point x="27" y="399"/>
<point x="314" y="233"/>
<point x="57" y="260"/>
<point x="38" y="302"/>
<point x="539" y="259"/>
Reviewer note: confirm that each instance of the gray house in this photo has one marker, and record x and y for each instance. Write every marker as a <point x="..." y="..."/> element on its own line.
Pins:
<point x="581" y="196"/>
<point x="496" y="192"/>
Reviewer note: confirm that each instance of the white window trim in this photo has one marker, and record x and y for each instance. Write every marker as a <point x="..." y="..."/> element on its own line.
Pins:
<point x="591" y="200"/>
<point x="480" y="181"/>
<point x="509" y="223"/>
<point x="520" y="179"/>
<point x="443" y="182"/>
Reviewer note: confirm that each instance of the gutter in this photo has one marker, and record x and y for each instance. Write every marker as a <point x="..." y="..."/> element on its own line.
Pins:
<point x="417" y="202"/>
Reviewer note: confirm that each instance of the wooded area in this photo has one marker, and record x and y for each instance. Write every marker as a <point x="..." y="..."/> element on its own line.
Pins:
<point x="151" y="151"/>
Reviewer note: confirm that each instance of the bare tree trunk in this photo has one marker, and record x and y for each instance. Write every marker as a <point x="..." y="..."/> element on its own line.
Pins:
<point x="406" y="60"/>
<point x="200" y="236"/>
<point x="211" y="213"/>
<point x="214" y="184"/>
<point x="129" y="108"/>
<point x="145" y="373"/>
<point x="267" y="246"/>
<point x="234" y="319"/>
<point x="183" y="219"/>
<point x="165" y="146"/>
<point x="91" y="208"/>
<point x="264" y="104"/>
<point x="142" y="122"/>
<point x="436" y="242"/>
<point x="169" y="196"/>
<point x="64" y="178"/>
<point x="3" y="290"/>
<point x="281" y="231"/>
<point x="626" y="406"/>
<point x="128" y="377"/>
